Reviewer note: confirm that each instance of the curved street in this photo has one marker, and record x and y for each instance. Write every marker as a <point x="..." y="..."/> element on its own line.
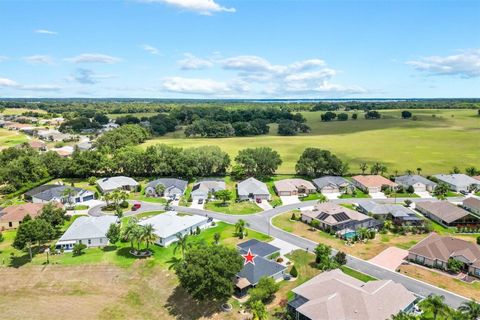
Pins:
<point x="262" y="222"/>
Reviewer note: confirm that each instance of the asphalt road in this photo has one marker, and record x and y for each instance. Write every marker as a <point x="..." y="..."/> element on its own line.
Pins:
<point x="262" y="222"/>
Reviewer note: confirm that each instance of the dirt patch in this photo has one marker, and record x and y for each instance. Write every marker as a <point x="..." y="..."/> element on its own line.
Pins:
<point x="143" y="291"/>
<point x="469" y="290"/>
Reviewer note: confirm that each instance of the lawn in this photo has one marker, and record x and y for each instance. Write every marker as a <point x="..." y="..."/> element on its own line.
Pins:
<point x="356" y="274"/>
<point x="312" y="196"/>
<point x="11" y="138"/>
<point x="403" y="195"/>
<point x="359" y="194"/>
<point x="242" y="207"/>
<point x="361" y="250"/>
<point x="399" y="144"/>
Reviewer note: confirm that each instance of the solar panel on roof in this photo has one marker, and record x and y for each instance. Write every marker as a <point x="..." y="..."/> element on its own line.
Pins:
<point x="322" y="216"/>
<point x="339" y="217"/>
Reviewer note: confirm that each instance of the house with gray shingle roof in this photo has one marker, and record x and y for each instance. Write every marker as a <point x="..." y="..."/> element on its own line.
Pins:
<point x="458" y="182"/>
<point x="398" y="213"/>
<point x="117" y="183"/>
<point x="262" y="267"/>
<point x="90" y="231"/>
<point x="333" y="184"/>
<point x="55" y="192"/>
<point x="446" y="213"/>
<point x="251" y="189"/>
<point x="173" y="187"/>
<point x="203" y="188"/>
<point x="472" y="204"/>
<point x="419" y="183"/>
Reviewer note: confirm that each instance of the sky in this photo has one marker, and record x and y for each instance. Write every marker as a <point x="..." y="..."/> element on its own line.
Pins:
<point x="240" y="49"/>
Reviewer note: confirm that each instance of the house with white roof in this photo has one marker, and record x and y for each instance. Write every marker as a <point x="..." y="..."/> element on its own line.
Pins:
<point x="417" y="182"/>
<point x="458" y="182"/>
<point x="91" y="231"/>
<point x="252" y="189"/>
<point x="117" y="183"/>
<point x="167" y="225"/>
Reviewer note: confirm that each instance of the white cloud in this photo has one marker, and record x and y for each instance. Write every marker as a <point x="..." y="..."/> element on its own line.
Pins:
<point x="204" y="7"/>
<point x="45" y="31"/>
<point x="251" y="64"/>
<point x="4" y="82"/>
<point x="3" y="58"/>
<point x="86" y="76"/>
<point x="312" y="75"/>
<point x="93" y="58"/>
<point x="191" y="62"/>
<point x="465" y="64"/>
<point x="38" y="59"/>
<point x="150" y="49"/>
<point x="196" y="86"/>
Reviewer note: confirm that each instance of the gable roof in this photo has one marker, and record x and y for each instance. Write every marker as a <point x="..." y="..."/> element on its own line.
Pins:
<point x="252" y="185"/>
<point x="437" y="247"/>
<point x="472" y="203"/>
<point x="289" y="185"/>
<point x="88" y="228"/>
<point x="444" y="210"/>
<point x="56" y="192"/>
<point x="396" y="210"/>
<point x="476" y="178"/>
<point x="18" y="212"/>
<point x="334" y="295"/>
<point x="333" y="214"/>
<point x="335" y="181"/>
<point x="203" y="187"/>
<point x="257" y="247"/>
<point x="458" y="179"/>
<point x="263" y="267"/>
<point x="170" y="223"/>
<point x="373" y="181"/>
<point x="112" y="183"/>
<point x="408" y="180"/>
<point x="169" y="183"/>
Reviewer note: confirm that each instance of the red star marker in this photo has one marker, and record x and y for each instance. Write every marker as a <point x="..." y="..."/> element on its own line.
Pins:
<point x="249" y="258"/>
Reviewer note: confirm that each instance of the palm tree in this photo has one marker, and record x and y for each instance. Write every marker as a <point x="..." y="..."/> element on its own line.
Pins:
<point x="216" y="238"/>
<point x="129" y="231"/>
<point x="436" y="305"/>
<point x="107" y="197"/>
<point x="159" y="189"/>
<point x="471" y="171"/>
<point x="409" y="172"/>
<point x="387" y="224"/>
<point x="419" y="170"/>
<point x="148" y="234"/>
<point x="363" y="166"/>
<point x="402" y="315"/>
<point x="362" y="233"/>
<point x="182" y="244"/>
<point x="68" y="193"/>
<point x="471" y="309"/>
<point x="240" y="227"/>
<point x="441" y="191"/>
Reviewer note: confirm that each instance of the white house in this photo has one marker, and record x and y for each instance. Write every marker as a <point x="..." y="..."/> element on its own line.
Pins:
<point x="458" y="182"/>
<point x="167" y="225"/>
<point x="54" y="192"/>
<point x="91" y="231"/>
<point x="417" y="182"/>
<point x="252" y="189"/>
<point x="115" y="183"/>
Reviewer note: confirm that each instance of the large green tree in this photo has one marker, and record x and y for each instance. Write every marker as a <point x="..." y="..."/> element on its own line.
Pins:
<point x="33" y="231"/>
<point x="316" y="162"/>
<point x="208" y="271"/>
<point x="258" y="162"/>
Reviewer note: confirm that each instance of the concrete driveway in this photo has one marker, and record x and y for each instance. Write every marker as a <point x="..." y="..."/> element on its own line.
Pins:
<point x="332" y="195"/>
<point x="196" y="205"/>
<point x="378" y="195"/>
<point x="284" y="246"/>
<point x="289" y="199"/>
<point x="423" y="194"/>
<point x="265" y="205"/>
<point x="390" y="258"/>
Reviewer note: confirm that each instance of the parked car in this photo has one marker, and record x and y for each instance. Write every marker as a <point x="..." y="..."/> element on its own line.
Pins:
<point x="258" y="200"/>
<point x="200" y="201"/>
<point x="464" y="192"/>
<point x="136" y="206"/>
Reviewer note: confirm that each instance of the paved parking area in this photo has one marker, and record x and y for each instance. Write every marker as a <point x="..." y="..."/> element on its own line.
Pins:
<point x="378" y="195"/>
<point x="284" y="246"/>
<point x="390" y="258"/>
<point x="196" y="205"/>
<point x="332" y="195"/>
<point x="424" y="194"/>
<point x="289" y="199"/>
<point x="265" y="205"/>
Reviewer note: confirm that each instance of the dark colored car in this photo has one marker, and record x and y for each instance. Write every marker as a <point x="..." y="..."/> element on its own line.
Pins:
<point x="136" y="206"/>
<point x="258" y="200"/>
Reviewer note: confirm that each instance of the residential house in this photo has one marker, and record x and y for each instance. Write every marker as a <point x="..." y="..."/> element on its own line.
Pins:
<point x="372" y="183"/>
<point x="263" y="266"/>
<point x="435" y="251"/>
<point x="173" y="188"/>
<point x="446" y="213"/>
<point x="170" y="224"/>
<point x="84" y="145"/>
<point x="472" y="204"/>
<point x="458" y="182"/>
<point x="55" y="192"/>
<point x="117" y="183"/>
<point x="399" y="214"/>
<point x="37" y="145"/>
<point x="419" y="183"/>
<point x="476" y="178"/>
<point x="294" y="187"/>
<point x="64" y="151"/>
<point x="90" y="231"/>
<point x="11" y="217"/>
<point x="336" y="218"/>
<point x="206" y="187"/>
<point x="252" y="189"/>
<point x="334" y="295"/>
<point x="333" y="184"/>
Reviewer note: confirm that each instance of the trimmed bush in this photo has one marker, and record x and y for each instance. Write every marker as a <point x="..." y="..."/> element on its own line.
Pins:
<point x="294" y="272"/>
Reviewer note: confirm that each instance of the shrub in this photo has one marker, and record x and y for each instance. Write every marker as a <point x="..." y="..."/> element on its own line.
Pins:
<point x="454" y="265"/>
<point x="478" y="240"/>
<point x="78" y="249"/>
<point x="279" y="260"/>
<point x="294" y="217"/>
<point x="91" y="181"/>
<point x="408" y="202"/>
<point x="124" y="204"/>
<point x="1" y="237"/>
<point x="294" y="272"/>
<point x="371" y="234"/>
<point x="410" y="189"/>
<point x="198" y="231"/>
<point x="341" y="258"/>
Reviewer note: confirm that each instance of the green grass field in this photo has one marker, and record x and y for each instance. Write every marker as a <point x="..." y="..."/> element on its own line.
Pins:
<point x="435" y="142"/>
<point x="11" y="138"/>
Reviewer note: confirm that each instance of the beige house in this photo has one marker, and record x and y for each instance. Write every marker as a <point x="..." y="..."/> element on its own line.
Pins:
<point x="372" y="183"/>
<point x="472" y="204"/>
<point x="435" y="250"/>
<point x="294" y="187"/>
<point x="333" y="295"/>
<point x="446" y="213"/>
<point x="11" y="217"/>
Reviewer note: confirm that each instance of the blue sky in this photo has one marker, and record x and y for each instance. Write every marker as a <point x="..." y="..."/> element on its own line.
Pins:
<point x="240" y="49"/>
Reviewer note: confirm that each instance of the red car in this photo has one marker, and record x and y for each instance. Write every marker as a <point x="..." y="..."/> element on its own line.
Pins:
<point x="136" y="206"/>
<point x="258" y="200"/>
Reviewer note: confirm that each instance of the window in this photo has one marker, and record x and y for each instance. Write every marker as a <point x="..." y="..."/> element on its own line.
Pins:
<point x="10" y="224"/>
<point x="477" y="272"/>
<point x="101" y="240"/>
<point x="89" y="241"/>
<point x="420" y="260"/>
<point x="80" y="241"/>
